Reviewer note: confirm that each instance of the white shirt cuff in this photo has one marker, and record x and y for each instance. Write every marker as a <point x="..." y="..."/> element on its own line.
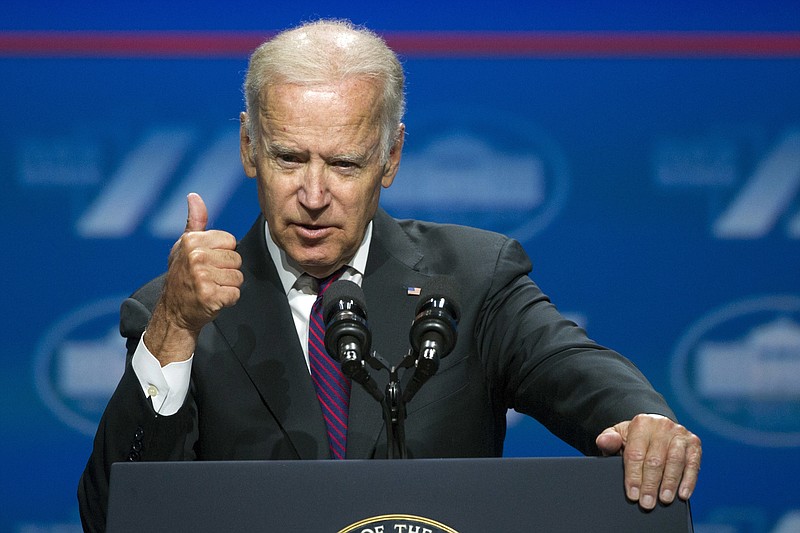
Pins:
<point x="166" y="386"/>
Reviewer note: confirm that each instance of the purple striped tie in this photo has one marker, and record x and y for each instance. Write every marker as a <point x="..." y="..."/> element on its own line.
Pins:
<point x="333" y="388"/>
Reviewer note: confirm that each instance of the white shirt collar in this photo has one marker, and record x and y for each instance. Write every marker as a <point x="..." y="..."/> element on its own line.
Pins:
<point x="289" y="271"/>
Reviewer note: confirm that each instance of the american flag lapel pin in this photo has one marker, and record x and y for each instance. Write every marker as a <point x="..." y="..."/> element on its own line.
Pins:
<point x="413" y="291"/>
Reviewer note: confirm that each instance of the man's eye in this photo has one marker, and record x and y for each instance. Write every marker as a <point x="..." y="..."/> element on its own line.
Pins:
<point x="288" y="158"/>
<point x="344" y="164"/>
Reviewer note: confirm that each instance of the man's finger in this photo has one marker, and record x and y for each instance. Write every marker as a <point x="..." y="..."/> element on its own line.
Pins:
<point x="652" y="473"/>
<point x="197" y="217"/>
<point x="634" y="454"/>
<point x="610" y="441"/>
<point x="694" y="453"/>
<point x="673" y="470"/>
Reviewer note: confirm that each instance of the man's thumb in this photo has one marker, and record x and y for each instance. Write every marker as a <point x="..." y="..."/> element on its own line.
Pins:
<point x="197" y="218"/>
<point x="610" y="441"/>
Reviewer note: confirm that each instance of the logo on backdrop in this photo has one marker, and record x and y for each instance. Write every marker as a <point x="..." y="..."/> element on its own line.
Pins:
<point x="146" y="188"/>
<point x="737" y="371"/>
<point x="482" y="169"/>
<point x="756" y="196"/>
<point x="79" y="362"/>
<point x="398" y="523"/>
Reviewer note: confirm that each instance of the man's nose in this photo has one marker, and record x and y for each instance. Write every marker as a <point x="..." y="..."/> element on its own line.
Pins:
<point x="314" y="193"/>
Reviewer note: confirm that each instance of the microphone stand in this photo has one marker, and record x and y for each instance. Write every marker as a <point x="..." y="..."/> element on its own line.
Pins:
<point x="392" y="403"/>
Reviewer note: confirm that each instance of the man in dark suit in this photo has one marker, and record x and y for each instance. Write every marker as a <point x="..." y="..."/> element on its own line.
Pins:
<point x="219" y="365"/>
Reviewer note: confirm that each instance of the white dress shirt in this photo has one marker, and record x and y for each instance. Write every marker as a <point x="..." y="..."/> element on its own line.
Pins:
<point x="167" y="386"/>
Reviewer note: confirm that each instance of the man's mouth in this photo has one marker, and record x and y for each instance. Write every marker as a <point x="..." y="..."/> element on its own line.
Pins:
<point x="310" y="231"/>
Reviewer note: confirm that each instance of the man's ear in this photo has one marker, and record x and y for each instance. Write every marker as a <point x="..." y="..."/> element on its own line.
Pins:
<point x="246" y="147"/>
<point x="395" y="153"/>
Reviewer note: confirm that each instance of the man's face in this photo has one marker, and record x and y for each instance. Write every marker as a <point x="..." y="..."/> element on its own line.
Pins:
<point x="319" y="169"/>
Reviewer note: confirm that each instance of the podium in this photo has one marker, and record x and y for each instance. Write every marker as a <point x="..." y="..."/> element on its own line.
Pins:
<point x="380" y="496"/>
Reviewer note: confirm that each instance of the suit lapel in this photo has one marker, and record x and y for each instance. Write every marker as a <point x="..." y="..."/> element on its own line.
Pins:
<point x="260" y="331"/>
<point x="391" y="270"/>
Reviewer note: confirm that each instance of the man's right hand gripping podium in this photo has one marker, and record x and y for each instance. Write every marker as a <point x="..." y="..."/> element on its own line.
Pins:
<point x="226" y="352"/>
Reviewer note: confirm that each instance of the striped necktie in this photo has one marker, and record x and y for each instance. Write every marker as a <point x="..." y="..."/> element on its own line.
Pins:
<point x="333" y="388"/>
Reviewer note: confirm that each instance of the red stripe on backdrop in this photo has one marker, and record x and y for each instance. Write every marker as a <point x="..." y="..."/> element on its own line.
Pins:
<point x="599" y="44"/>
<point x="174" y="44"/>
<point x="129" y="44"/>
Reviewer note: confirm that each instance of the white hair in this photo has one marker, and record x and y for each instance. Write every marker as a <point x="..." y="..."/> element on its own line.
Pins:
<point x="322" y="52"/>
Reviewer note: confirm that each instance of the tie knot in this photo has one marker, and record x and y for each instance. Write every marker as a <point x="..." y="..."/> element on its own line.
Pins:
<point x="324" y="283"/>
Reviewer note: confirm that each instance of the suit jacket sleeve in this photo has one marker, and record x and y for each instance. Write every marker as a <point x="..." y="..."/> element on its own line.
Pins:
<point x="544" y="365"/>
<point x="130" y="430"/>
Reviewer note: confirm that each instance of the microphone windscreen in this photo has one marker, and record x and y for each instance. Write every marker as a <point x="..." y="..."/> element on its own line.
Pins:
<point x="342" y="290"/>
<point x="441" y="287"/>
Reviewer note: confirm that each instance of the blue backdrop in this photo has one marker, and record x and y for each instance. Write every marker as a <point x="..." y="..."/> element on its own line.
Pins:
<point x="647" y="157"/>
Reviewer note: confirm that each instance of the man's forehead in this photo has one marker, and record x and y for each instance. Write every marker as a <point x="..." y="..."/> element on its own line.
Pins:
<point x="323" y="119"/>
<point x="355" y="91"/>
<point x="288" y="107"/>
<point x="308" y="94"/>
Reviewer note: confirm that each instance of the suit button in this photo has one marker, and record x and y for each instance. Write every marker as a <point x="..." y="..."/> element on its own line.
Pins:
<point x="139" y="435"/>
<point x="134" y="456"/>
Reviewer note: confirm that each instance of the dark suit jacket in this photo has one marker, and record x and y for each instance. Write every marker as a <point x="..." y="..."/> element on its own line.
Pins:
<point x="251" y="395"/>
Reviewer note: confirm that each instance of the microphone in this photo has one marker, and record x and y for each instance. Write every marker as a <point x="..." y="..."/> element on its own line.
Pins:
<point x="433" y="331"/>
<point x="347" y="334"/>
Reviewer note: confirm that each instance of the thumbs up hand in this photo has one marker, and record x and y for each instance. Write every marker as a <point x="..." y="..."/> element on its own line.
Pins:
<point x="203" y="276"/>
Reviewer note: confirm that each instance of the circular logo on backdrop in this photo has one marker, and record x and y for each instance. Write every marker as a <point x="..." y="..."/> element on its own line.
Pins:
<point x="398" y="523"/>
<point x="737" y="371"/>
<point x="79" y="362"/>
<point x="480" y="168"/>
